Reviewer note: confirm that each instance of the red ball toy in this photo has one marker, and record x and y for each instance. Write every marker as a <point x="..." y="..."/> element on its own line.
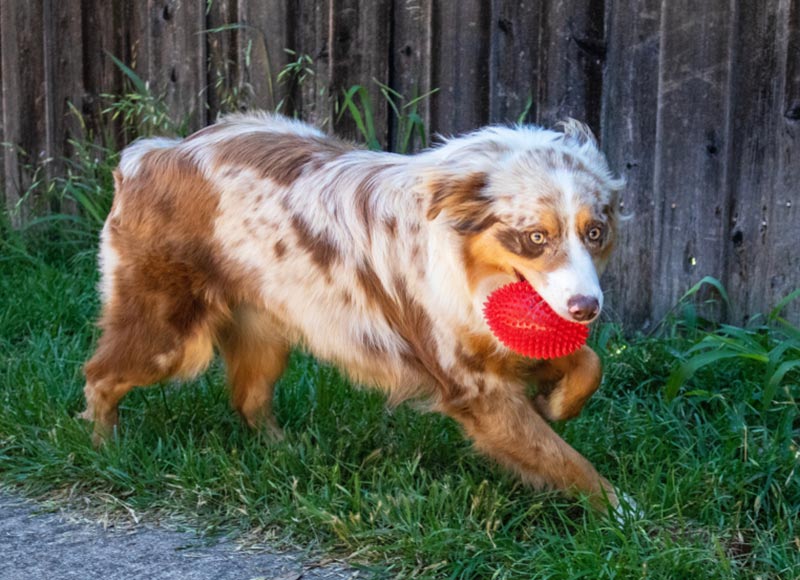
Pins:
<point x="526" y="324"/>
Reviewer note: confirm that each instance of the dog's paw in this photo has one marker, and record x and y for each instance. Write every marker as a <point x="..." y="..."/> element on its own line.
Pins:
<point x="626" y="509"/>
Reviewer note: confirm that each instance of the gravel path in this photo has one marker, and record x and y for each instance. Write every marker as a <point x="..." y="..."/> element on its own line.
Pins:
<point x="36" y="546"/>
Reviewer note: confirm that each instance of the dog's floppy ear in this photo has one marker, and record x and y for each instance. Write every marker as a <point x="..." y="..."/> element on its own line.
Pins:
<point x="462" y="200"/>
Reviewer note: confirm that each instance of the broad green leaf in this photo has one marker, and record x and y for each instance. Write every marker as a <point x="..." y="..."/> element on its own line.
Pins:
<point x="685" y="371"/>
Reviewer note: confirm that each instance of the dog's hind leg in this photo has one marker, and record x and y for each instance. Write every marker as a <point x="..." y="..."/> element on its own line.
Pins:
<point x="255" y="355"/>
<point x="137" y="355"/>
<point x="505" y="426"/>
<point x="565" y="384"/>
<point x="149" y="335"/>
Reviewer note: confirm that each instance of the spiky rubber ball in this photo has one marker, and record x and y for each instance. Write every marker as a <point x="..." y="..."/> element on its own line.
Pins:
<point x="526" y="324"/>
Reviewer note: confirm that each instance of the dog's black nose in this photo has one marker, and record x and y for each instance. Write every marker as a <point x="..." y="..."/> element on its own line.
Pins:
<point x="583" y="308"/>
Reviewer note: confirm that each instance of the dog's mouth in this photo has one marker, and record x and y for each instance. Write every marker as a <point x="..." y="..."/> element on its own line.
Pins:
<point x="521" y="278"/>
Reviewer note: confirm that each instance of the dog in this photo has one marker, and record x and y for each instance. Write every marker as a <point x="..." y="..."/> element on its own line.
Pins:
<point x="259" y="233"/>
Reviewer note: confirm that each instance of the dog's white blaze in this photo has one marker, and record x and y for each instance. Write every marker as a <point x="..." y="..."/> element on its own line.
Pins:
<point x="579" y="276"/>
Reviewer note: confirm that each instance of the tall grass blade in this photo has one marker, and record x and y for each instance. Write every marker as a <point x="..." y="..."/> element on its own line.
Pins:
<point x="775" y="380"/>
<point x="686" y="371"/>
<point x="136" y="80"/>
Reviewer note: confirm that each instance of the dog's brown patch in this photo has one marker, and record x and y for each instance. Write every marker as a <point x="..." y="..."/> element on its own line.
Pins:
<point x="412" y="323"/>
<point x="391" y="226"/>
<point x="170" y="287"/>
<point x="463" y="201"/>
<point x="279" y="157"/>
<point x="588" y="216"/>
<point x="480" y="353"/>
<point x="319" y="246"/>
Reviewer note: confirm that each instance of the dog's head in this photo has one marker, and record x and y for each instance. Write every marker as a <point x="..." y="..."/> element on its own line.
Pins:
<point x="533" y="204"/>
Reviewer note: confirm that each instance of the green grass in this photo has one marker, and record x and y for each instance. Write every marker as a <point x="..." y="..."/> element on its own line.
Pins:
<point x="397" y="491"/>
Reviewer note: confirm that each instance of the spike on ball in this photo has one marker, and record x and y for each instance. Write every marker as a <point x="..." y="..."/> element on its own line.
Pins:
<point x="526" y="324"/>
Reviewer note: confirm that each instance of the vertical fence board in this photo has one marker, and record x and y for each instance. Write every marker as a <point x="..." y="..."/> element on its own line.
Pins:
<point x="410" y="64"/>
<point x="268" y="31"/>
<point x="3" y="139"/>
<point x="628" y="137"/>
<point x="460" y="65"/>
<point x="571" y="61"/>
<point x="785" y="229"/>
<point x="514" y="60"/>
<point x="221" y="46"/>
<point x="136" y="46"/>
<point x="765" y="160"/>
<point x="691" y="139"/>
<point x="176" y="59"/>
<point x="64" y="90"/>
<point x="102" y="27"/>
<point x="24" y="113"/>
<point x="312" y="38"/>
<point x="360" y="48"/>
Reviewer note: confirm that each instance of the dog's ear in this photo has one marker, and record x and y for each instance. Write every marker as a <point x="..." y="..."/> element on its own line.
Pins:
<point x="462" y="200"/>
<point x="578" y="132"/>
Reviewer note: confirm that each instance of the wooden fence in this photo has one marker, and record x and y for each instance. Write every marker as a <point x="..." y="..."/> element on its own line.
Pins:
<point x="697" y="103"/>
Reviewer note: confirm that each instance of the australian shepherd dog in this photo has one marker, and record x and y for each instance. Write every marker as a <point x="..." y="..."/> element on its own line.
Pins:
<point x="260" y="233"/>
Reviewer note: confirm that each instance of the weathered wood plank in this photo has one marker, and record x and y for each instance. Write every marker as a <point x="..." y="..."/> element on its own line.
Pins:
<point x="690" y="187"/>
<point x="359" y="55"/>
<point x="630" y="102"/>
<point x="460" y="66"/>
<point x="312" y="95"/>
<point x="137" y="38"/>
<point x="514" y="60"/>
<point x="765" y="161"/>
<point x="176" y="57"/>
<point x="63" y="85"/>
<point x="410" y="65"/>
<point x="103" y="24"/>
<point x="571" y="62"/>
<point x="24" y="114"/>
<point x="786" y="219"/>
<point x="222" y="93"/>
<point x="2" y="134"/>
<point x="268" y="31"/>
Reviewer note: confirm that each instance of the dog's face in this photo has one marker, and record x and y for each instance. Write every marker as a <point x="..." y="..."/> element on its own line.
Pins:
<point x="544" y="215"/>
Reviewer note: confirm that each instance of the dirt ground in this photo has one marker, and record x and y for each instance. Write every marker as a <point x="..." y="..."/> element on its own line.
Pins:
<point x="36" y="545"/>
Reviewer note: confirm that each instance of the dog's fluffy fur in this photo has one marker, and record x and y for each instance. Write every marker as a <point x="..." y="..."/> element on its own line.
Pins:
<point x="259" y="233"/>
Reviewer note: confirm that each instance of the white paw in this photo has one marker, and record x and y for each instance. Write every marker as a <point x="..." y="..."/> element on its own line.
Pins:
<point x="626" y="509"/>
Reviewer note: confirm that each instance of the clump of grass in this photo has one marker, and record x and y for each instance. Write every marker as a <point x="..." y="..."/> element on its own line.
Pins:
<point x="411" y="130"/>
<point x="140" y="111"/>
<point x="400" y="492"/>
<point x="772" y="343"/>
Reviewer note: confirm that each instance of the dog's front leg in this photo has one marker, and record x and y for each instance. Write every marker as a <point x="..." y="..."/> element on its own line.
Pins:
<point x="565" y="384"/>
<point x="505" y="426"/>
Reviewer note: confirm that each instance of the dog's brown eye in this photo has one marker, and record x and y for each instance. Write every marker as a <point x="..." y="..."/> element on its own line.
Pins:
<point x="538" y="238"/>
<point x="595" y="233"/>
